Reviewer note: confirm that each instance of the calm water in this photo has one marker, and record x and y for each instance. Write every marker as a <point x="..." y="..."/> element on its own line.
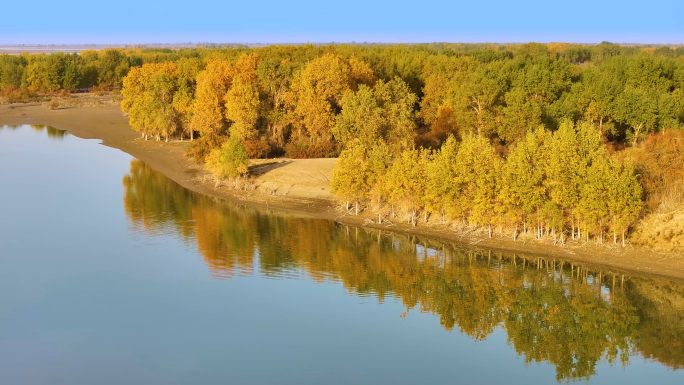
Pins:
<point x="110" y="273"/>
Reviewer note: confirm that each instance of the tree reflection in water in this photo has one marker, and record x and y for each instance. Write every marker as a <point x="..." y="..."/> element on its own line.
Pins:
<point x="52" y="132"/>
<point x="552" y="311"/>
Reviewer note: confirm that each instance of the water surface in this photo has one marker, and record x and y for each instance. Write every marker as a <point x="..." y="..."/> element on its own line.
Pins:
<point x="111" y="273"/>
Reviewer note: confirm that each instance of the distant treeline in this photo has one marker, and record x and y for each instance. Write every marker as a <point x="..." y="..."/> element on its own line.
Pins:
<point x="292" y="94"/>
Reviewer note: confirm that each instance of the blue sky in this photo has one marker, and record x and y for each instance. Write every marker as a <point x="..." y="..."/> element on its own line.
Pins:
<point x="300" y="21"/>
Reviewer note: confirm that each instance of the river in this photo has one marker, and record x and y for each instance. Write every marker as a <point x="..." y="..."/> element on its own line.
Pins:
<point x="112" y="273"/>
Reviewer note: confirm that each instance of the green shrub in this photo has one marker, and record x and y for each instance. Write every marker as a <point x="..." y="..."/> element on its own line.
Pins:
<point x="231" y="160"/>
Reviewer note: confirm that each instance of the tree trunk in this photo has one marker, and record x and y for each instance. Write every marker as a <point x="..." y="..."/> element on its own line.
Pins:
<point x="490" y="230"/>
<point x="637" y="131"/>
<point x="573" y="227"/>
<point x="357" y="208"/>
<point x="623" y="238"/>
<point x="515" y="233"/>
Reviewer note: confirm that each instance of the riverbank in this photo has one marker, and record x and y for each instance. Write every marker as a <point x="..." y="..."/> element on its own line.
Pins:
<point x="302" y="186"/>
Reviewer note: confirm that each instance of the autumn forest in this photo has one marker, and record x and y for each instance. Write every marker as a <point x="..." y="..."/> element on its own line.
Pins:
<point x="565" y="141"/>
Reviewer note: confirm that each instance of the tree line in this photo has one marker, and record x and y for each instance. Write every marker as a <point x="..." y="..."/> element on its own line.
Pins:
<point x="290" y="95"/>
<point x="286" y="99"/>
<point x="58" y="71"/>
<point x="561" y="184"/>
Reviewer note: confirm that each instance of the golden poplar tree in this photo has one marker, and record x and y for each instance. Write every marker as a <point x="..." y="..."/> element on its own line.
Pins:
<point x="349" y="179"/>
<point x="148" y="93"/>
<point x="316" y="94"/>
<point x="478" y="173"/>
<point x="212" y="85"/>
<point x="242" y="100"/>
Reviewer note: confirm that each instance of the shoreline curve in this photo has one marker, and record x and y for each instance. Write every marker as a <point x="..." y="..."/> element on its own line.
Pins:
<point x="310" y="195"/>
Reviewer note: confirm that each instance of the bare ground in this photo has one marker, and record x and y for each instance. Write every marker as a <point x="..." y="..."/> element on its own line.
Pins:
<point x="302" y="186"/>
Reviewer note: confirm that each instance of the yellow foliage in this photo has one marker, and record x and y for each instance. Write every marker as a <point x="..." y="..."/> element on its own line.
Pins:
<point x="317" y="91"/>
<point x="212" y="85"/>
<point x="242" y="100"/>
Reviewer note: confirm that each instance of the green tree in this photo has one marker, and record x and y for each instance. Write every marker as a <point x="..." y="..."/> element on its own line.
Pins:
<point x="564" y="175"/>
<point x="478" y="169"/>
<point x="231" y="160"/>
<point x="378" y="163"/>
<point x="316" y="94"/>
<point x="161" y="118"/>
<point x="406" y="181"/>
<point x="441" y="195"/>
<point x="595" y="195"/>
<point x="382" y="113"/>
<point x="148" y="94"/>
<point x="624" y="196"/>
<point x="361" y="121"/>
<point x="601" y="87"/>
<point x="350" y="176"/>
<point x="525" y="178"/>
<point x="520" y="115"/>
<point x="112" y="67"/>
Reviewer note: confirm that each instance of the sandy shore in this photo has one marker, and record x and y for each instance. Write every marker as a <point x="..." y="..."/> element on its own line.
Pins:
<point x="303" y="187"/>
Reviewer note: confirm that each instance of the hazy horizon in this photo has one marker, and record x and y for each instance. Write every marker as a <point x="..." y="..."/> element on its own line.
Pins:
<point x="326" y="42"/>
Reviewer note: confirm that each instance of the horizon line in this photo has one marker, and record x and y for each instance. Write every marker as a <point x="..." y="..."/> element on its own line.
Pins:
<point x="9" y="45"/>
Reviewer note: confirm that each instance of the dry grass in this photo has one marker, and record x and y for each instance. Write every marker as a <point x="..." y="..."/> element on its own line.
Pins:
<point x="663" y="229"/>
<point x="10" y="95"/>
<point x="64" y="100"/>
<point x="660" y="160"/>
